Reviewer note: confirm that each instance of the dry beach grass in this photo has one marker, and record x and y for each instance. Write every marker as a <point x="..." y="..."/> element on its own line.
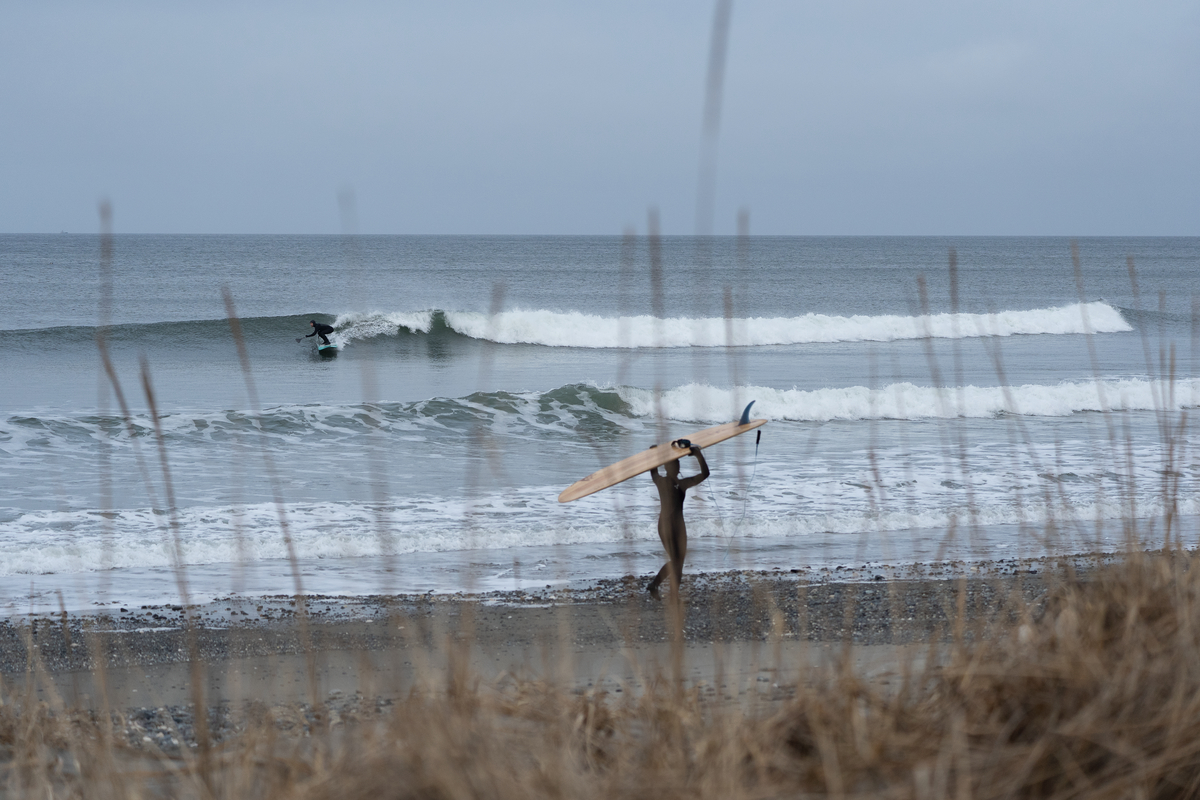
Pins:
<point x="1088" y="686"/>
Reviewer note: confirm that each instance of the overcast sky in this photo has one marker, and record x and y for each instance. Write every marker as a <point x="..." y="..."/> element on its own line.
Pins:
<point x="1046" y="117"/>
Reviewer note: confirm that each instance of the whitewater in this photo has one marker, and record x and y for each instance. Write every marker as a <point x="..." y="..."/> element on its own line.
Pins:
<point x="574" y="329"/>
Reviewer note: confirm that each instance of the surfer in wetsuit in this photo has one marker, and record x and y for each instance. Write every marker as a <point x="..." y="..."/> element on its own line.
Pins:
<point x="672" y="531"/>
<point x="320" y="329"/>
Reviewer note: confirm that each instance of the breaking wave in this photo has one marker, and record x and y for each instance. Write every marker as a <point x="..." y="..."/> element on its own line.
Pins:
<point x="575" y="329"/>
<point x="591" y="331"/>
<point x="703" y="403"/>
<point x="596" y="410"/>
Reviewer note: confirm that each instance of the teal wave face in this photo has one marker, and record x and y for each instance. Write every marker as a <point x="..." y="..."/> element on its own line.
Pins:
<point x="573" y="408"/>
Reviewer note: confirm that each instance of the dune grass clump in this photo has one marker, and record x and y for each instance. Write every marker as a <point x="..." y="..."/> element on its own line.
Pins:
<point x="1098" y="697"/>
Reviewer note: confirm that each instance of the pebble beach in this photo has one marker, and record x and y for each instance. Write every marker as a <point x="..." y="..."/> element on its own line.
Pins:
<point x="744" y="635"/>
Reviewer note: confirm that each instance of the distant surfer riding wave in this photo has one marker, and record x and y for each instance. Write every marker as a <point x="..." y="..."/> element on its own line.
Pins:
<point x="319" y="329"/>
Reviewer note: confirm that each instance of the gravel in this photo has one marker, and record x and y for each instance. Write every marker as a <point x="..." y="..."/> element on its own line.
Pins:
<point x="870" y="605"/>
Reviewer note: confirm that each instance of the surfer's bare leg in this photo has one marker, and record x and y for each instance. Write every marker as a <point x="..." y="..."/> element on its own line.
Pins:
<point x="658" y="579"/>
<point x="673" y="569"/>
<point x="678" y="554"/>
<point x="668" y="542"/>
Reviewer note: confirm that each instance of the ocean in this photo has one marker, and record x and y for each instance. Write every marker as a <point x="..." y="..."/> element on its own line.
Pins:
<point x="1014" y="408"/>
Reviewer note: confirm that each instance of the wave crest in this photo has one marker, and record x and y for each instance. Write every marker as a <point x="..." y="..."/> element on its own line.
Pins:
<point x="703" y="403"/>
<point x="369" y="324"/>
<point x="576" y="329"/>
<point x="597" y="411"/>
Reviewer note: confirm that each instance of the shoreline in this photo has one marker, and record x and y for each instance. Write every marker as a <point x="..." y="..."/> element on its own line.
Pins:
<point x="733" y="607"/>
<point x="227" y="607"/>
<point x="700" y="589"/>
<point x="910" y="554"/>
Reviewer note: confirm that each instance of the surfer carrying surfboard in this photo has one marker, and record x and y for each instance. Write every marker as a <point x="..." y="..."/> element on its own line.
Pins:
<point x="320" y="329"/>
<point x="671" y="488"/>
<point x="671" y="528"/>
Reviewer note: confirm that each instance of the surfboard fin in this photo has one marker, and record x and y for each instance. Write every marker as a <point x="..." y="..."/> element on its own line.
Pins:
<point x="745" y="420"/>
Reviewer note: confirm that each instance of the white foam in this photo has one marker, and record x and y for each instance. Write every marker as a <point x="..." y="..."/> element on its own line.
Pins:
<point x="574" y="329"/>
<point x="369" y="324"/>
<point x="846" y="498"/>
<point x="703" y="403"/>
<point x="915" y="487"/>
<point x="782" y="504"/>
<point x="74" y="541"/>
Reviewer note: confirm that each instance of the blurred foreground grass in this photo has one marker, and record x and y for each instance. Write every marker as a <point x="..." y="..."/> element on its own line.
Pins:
<point x="1093" y="693"/>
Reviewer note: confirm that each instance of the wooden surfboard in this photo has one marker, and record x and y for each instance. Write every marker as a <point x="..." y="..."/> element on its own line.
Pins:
<point x="656" y="456"/>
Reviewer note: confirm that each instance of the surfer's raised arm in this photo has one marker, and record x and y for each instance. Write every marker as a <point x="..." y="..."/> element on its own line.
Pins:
<point x="687" y="483"/>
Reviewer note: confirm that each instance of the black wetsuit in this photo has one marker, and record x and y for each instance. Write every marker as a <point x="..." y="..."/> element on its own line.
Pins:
<point x="322" y="330"/>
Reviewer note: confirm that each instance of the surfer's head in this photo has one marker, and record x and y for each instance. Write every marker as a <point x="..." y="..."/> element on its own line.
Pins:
<point x="312" y="323"/>
<point x="672" y="468"/>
